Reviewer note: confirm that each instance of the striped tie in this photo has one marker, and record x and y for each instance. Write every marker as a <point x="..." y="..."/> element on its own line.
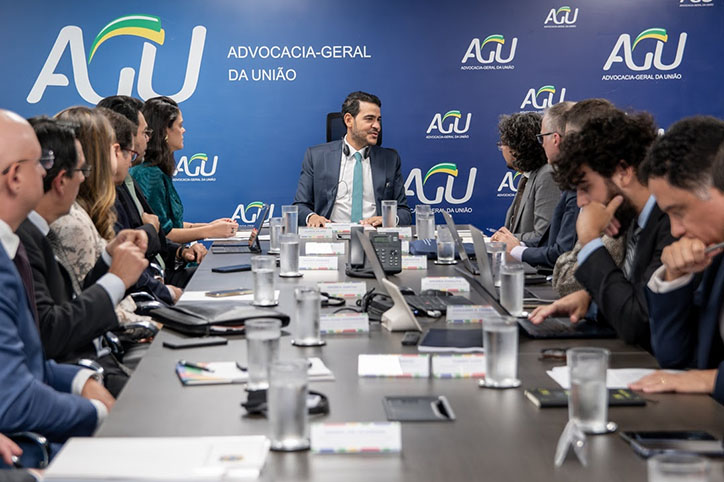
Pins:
<point x="633" y="239"/>
<point x="356" y="215"/>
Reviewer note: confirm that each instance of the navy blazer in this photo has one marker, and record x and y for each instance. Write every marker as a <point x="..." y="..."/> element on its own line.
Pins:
<point x="685" y="324"/>
<point x="319" y="179"/>
<point x="34" y="392"/>
<point x="560" y="237"/>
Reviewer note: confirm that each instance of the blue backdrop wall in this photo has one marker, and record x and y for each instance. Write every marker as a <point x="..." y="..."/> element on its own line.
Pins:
<point x="256" y="79"/>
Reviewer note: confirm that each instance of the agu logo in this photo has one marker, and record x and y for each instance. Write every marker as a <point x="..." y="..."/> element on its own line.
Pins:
<point x="143" y="26"/>
<point x="249" y="213"/>
<point x="623" y="51"/>
<point x="196" y="168"/>
<point x="446" y="124"/>
<point x="563" y="17"/>
<point x="490" y="50"/>
<point x="696" y="3"/>
<point x="509" y="185"/>
<point x="446" y="192"/>
<point x="547" y="99"/>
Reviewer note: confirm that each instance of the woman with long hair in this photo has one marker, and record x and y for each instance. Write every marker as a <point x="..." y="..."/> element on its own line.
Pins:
<point x="154" y="175"/>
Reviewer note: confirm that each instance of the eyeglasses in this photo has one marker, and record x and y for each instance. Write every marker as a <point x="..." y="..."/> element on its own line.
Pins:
<point x="541" y="136"/>
<point x="46" y="160"/>
<point x="134" y="154"/>
<point x="148" y="132"/>
<point x="85" y="169"/>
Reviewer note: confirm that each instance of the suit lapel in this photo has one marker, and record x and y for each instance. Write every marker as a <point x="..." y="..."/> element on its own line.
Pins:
<point x="524" y="199"/>
<point x="332" y="161"/>
<point x="645" y="246"/>
<point x="377" y="164"/>
<point x="709" y="320"/>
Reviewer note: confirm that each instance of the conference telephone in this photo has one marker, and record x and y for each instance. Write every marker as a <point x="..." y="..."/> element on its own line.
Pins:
<point x="387" y="246"/>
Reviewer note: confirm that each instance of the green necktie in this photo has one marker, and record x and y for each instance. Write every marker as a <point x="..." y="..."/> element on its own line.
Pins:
<point x="357" y="189"/>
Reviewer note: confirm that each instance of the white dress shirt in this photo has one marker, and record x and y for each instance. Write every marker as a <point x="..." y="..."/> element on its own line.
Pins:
<point x="342" y="210"/>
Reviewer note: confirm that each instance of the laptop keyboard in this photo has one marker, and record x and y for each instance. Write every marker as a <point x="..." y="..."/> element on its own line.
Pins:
<point x="435" y="303"/>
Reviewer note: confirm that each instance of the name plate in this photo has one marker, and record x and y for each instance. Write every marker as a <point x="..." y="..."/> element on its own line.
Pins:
<point x="458" y="366"/>
<point x="313" y="248"/>
<point x="453" y="284"/>
<point x="470" y="313"/>
<point x="350" y="438"/>
<point x="414" y="262"/>
<point x="346" y="289"/>
<point x="404" y="232"/>
<point x="344" y="323"/>
<point x="340" y="228"/>
<point x="324" y="263"/>
<point x="395" y="366"/>
<point x="315" y="233"/>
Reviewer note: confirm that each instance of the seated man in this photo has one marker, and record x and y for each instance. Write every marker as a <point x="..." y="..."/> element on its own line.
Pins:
<point x="560" y="236"/>
<point x="346" y="181"/>
<point x="686" y="294"/>
<point x="601" y="162"/>
<point x="55" y="400"/>
<point x="71" y="323"/>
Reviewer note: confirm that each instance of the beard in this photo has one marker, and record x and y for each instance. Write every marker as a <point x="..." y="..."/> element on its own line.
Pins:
<point x="626" y="212"/>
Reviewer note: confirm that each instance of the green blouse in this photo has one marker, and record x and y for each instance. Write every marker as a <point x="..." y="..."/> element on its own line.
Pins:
<point x="160" y="193"/>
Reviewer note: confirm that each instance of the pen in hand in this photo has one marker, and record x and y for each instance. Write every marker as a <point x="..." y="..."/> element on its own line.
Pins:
<point x="195" y="365"/>
<point x="713" y="248"/>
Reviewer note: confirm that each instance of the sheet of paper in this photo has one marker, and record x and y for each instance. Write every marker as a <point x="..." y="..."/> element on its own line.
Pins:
<point x="323" y="263"/>
<point x="398" y="366"/>
<point x="453" y="284"/>
<point x="201" y="296"/>
<point x="344" y="289"/>
<point x="405" y="246"/>
<point x="414" y="262"/>
<point x="404" y="232"/>
<point x="346" y="438"/>
<point x="314" y="248"/>
<point x="469" y="313"/>
<point x="615" y="377"/>
<point x="315" y="233"/>
<point x="344" y="323"/>
<point x="458" y="366"/>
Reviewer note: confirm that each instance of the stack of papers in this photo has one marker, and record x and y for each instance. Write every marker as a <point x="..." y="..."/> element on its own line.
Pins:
<point x="615" y="377"/>
<point x="160" y="458"/>
<point x="227" y="372"/>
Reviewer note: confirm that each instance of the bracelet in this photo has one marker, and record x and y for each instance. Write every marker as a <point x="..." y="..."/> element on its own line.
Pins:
<point x="179" y="251"/>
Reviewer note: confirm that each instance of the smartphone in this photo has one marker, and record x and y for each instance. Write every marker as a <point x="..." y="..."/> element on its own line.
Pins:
<point x="225" y="293"/>
<point x="234" y="268"/>
<point x="411" y="338"/>
<point x="695" y="442"/>
<point x="195" y="342"/>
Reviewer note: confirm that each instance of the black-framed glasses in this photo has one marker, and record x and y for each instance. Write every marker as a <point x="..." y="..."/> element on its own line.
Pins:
<point x="85" y="169"/>
<point x="147" y="132"/>
<point x="540" y="137"/>
<point x="47" y="159"/>
<point x="134" y="154"/>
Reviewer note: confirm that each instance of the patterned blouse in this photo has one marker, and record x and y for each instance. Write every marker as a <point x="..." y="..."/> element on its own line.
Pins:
<point x="161" y="194"/>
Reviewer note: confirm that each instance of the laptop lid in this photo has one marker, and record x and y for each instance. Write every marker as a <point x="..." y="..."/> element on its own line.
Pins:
<point x="485" y="273"/>
<point x="459" y="243"/>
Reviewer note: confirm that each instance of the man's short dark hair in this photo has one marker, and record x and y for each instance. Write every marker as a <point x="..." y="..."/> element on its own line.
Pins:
<point x="518" y="131"/>
<point x="351" y="103"/>
<point x="123" y="128"/>
<point x="603" y="144"/>
<point x="585" y="110"/>
<point x="684" y="155"/>
<point x="58" y="137"/>
<point x="718" y="169"/>
<point x="124" y="105"/>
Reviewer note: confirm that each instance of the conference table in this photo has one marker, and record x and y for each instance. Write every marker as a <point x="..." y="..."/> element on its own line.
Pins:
<point x="498" y="434"/>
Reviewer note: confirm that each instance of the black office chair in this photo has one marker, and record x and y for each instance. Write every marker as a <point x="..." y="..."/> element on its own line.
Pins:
<point x="336" y="128"/>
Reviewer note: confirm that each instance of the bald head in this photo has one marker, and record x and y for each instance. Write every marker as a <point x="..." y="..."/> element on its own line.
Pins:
<point x="17" y="139"/>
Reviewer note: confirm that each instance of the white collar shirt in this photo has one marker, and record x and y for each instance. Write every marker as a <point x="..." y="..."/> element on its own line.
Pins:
<point x="342" y="210"/>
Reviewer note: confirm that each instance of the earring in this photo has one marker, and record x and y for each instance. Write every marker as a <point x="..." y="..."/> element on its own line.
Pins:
<point x="166" y="138"/>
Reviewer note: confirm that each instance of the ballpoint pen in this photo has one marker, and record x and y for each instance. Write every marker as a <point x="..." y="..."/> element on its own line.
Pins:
<point x="713" y="248"/>
<point x="195" y="365"/>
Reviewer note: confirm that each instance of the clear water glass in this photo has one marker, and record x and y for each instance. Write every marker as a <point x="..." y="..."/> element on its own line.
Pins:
<point x="290" y="216"/>
<point x="588" y="396"/>
<point x="287" y="406"/>
<point x="262" y="349"/>
<point x="262" y="268"/>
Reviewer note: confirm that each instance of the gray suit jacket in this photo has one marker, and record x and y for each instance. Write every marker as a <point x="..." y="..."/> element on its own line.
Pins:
<point x="539" y="200"/>
<point x="318" y="181"/>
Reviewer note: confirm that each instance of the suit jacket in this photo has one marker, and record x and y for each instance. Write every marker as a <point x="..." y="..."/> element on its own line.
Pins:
<point x="560" y="237"/>
<point x="68" y="324"/>
<point x="540" y="197"/>
<point x="622" y="302"/>
<point x="685" y="324"/>
<point x="34" y="392"/>
<point x="319" y="179"/>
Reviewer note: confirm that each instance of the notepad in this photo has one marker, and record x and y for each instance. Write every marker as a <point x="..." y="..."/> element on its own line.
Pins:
<point x="615" y="377"/>
<point x="459" y="341"/>
<point x="227" y="372"/>
<point x="558" y="397"/>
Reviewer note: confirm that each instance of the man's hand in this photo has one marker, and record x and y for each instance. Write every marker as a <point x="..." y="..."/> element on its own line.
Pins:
<point x="504" y="235"/>
<point x="8" y="448"/>
<point x="135" y="236"/>
<point x="595" y="219"/>
<point x="128" y="263"/>
<point x="151" y="219"/>
<point x="316" y="221"/>
<point x="373" y="221"/>
<point x="92" y="390"/>
<point x="194" y="253"/>
<point x="176" y="292"/>
<point x="221" y="228"/>
<point x="575" y="305"/>
<point x="685" y="256"/>
<point x="692" y="381"/>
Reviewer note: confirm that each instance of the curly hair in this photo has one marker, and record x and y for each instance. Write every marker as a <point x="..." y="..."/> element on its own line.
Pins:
<point x="684" y="155"/>
<point x="97" y="194"/>
<point x="160" y="113"/>
<point x="518" y="131"/>
<point x="603" y="144"/>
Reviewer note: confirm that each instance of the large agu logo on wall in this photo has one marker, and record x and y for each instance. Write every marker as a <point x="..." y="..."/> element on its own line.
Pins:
<point x="445" y="192"/>
<point x="623" y="52"/>
<point x="563" y="17"/>
<point x="449" y="126"/>
<point x="143" y="26"/>
<point x="509" y="184"/>
<point x="249" y="213"/>
<point x="547" y="98"/>
<point x="492" y="50"/>
<point x="196" y="168"/>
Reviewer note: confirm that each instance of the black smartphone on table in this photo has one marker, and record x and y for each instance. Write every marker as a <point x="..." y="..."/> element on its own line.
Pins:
<point x="234" y="268"/>
<point x="695" y="442"/>
<point x="195" y="342"/>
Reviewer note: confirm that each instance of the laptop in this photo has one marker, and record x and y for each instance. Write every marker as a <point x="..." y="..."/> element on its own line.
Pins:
<point x="552" y="327"/>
